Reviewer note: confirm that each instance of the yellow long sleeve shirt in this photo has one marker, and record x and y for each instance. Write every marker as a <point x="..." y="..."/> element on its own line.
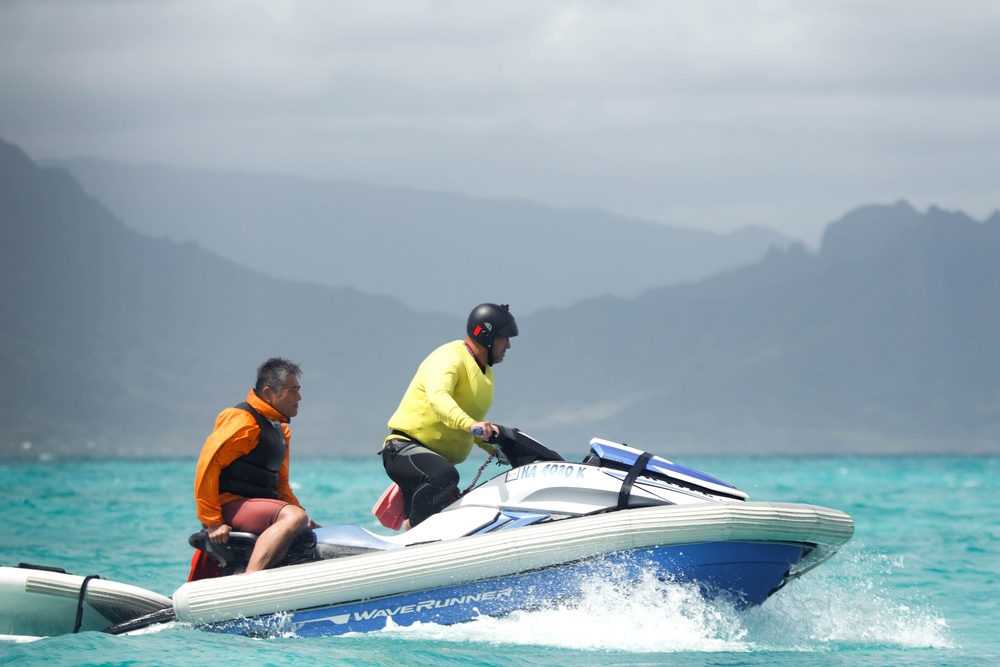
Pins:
<point x="448" y="394"/>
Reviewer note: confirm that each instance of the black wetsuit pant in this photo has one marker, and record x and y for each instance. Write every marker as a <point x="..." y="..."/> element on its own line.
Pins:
<point x="427" y="479"/>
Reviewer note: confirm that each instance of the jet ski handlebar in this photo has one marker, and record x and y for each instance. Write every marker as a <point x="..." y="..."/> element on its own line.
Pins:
<point x="520" y="448"/>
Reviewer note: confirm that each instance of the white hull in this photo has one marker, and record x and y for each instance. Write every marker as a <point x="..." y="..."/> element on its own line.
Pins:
<point x="444" y="564"/>
<point x="36" y="603"/>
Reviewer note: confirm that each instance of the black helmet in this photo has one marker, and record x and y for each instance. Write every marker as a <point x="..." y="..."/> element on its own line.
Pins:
<point x="488" y="321"/>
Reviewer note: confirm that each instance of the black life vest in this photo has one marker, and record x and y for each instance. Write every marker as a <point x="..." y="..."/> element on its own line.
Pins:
<point x="255" y="474"/>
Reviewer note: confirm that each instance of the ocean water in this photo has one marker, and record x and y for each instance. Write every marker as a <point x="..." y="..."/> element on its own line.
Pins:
<point x="916" y="586"/>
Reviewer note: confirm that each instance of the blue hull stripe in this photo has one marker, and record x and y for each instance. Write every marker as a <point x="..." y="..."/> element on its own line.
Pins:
<point x="746" y="571"/>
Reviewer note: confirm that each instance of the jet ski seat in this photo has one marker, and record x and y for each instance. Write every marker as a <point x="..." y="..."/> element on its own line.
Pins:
<point x="348" y="540"/>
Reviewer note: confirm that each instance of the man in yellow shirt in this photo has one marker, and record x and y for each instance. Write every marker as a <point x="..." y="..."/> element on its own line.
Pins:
<point x="241" y="482"/>
<point x="445" y="405"/>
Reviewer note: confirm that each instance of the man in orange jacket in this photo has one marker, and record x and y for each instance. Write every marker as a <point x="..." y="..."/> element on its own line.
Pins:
<point x="242" y="479"/>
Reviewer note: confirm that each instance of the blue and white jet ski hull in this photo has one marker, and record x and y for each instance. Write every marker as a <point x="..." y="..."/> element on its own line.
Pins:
<point x="748" y="571"/>
<point x="743" y="551"/>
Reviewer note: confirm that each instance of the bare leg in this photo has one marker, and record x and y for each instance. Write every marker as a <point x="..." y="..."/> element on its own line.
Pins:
<point x="273" y="543"/>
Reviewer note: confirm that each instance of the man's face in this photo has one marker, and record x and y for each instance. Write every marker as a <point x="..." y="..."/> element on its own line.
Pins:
<point x="500" y="347"/>
<point x="286" y="400"/>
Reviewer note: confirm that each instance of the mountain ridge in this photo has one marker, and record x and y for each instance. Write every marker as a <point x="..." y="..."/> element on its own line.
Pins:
<point x="434" y="251"/>
<point x="892" y="348"/>
<point x="881" y="342"/>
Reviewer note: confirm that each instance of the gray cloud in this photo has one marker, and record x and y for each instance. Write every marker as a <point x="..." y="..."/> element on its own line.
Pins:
<point x="701" y="114"/>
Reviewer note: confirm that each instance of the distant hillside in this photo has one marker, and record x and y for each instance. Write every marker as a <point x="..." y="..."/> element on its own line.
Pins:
<point x="884" y="341"/>
<point x="432" y="251"/>
<point x="116" y="342"/>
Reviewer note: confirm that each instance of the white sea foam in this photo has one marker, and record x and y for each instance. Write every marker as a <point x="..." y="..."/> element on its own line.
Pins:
<point x="652" y="617"/>
<point x="852" y="604"/>
<point x="850" y="607"/>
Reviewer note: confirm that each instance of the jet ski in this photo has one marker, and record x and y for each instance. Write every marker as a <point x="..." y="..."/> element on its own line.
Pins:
<point x="533" y="536"/>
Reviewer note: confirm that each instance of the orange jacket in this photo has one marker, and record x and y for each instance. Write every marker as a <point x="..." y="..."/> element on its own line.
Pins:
<point x="236" y="433"/>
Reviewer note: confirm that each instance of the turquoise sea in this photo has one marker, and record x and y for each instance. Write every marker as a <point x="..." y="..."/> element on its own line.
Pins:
<point x="918" y="585"/>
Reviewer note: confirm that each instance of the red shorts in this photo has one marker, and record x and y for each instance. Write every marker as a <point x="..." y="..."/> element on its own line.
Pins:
<point x="252" y="515"/>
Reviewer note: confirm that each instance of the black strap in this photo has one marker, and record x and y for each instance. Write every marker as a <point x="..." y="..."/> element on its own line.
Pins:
<point x="626" y="490"/>
<point x="43" y="568"/>
<point x="79" y="602"/>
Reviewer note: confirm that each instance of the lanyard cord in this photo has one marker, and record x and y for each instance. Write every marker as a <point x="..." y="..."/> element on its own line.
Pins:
<point x="478" y="475"/>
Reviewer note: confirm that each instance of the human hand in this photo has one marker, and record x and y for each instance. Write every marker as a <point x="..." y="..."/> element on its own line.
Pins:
<point x="219" y="534"/>
<point x="483" y="430"/>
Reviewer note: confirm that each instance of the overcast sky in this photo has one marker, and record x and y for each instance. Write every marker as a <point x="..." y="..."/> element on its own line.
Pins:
<point x="712" y="115"/>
